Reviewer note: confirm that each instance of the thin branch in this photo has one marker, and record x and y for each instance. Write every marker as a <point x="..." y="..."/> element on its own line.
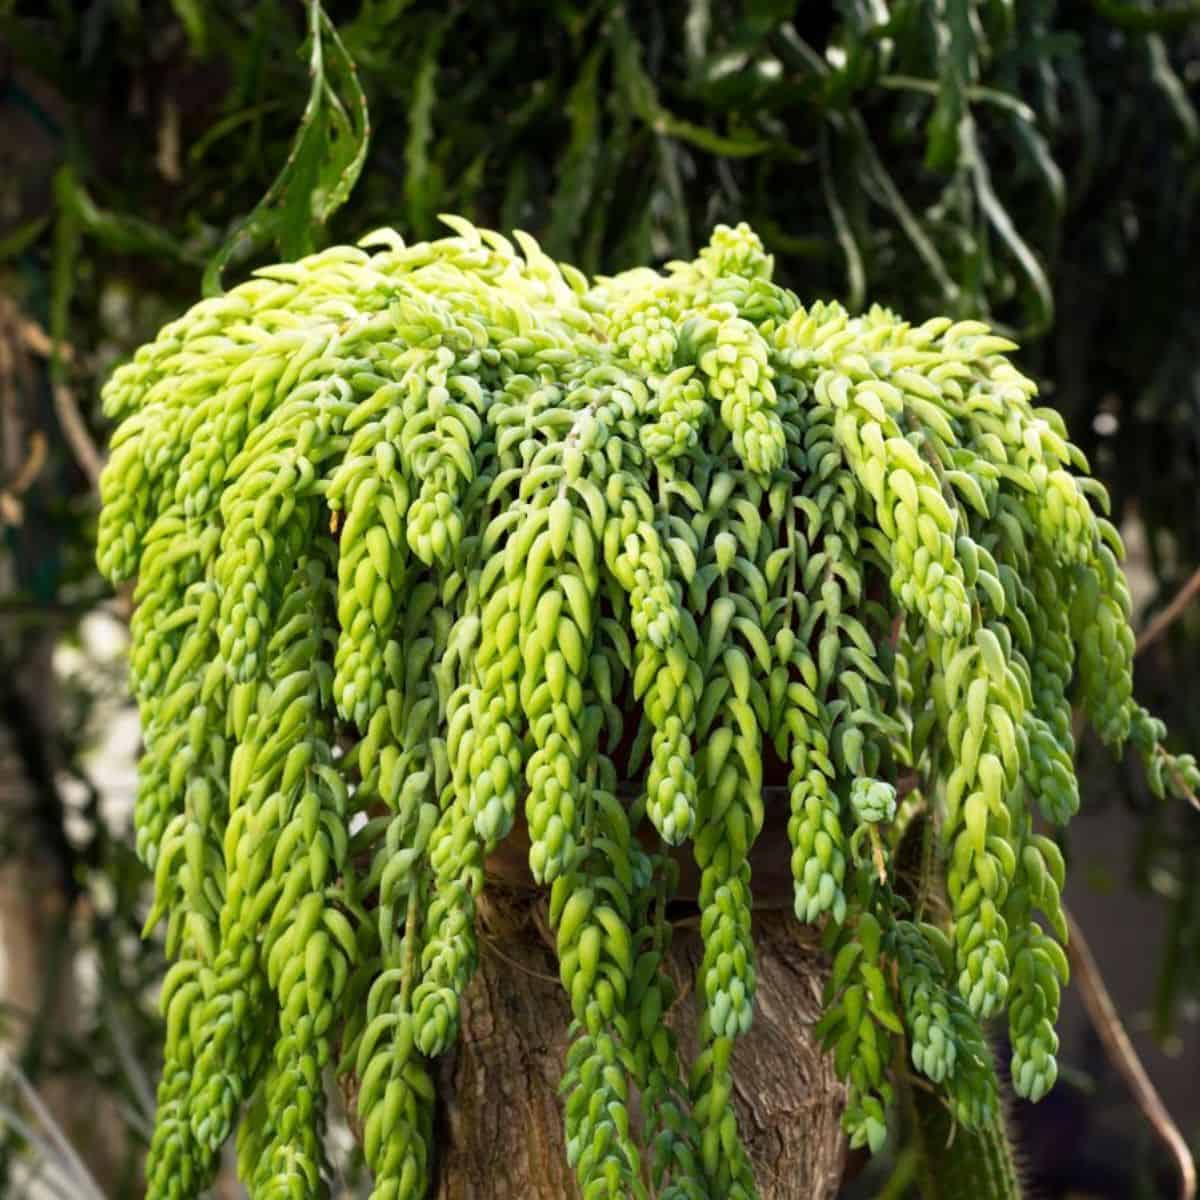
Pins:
<point x="44" y="1150"/>
<point x="1170" y="614"/>
<point x="38" y="340"/>
<point x="12" y="509"/>
<point x="1124" y="1058"/>
<point x="70" y="1159"/>
<point x="494" y="947"/>
<point x="29" y="470"/>
<point x="90" y="460"/>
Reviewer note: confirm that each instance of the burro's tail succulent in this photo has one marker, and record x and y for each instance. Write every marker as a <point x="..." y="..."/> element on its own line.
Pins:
<point x="489" y="524"/>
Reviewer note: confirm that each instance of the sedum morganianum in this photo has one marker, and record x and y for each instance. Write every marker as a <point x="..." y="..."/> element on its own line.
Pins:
<point x="429" y="536"/>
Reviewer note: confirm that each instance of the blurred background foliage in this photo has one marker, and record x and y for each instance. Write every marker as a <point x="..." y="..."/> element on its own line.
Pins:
<point x="1032" y="163"/>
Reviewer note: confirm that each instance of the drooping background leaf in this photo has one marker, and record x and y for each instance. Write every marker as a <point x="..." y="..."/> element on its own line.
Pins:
<point x="322" y="166"/>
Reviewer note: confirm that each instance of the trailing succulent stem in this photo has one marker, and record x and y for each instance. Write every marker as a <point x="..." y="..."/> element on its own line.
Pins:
<point x="525" y="541"/>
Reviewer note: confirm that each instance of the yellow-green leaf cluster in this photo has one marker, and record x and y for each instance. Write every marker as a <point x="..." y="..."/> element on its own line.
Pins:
<point x="437" y="540"/>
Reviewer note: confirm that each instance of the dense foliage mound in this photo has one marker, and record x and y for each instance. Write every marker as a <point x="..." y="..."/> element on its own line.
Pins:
<point x="432" y="536"/>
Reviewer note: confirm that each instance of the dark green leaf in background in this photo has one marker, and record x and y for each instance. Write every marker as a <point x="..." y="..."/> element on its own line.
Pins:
<point x="322" y="166"/>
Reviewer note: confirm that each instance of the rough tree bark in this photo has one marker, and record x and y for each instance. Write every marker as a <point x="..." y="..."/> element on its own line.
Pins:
<point x="499" y="1131"/>
<point x="499" y="1120"/>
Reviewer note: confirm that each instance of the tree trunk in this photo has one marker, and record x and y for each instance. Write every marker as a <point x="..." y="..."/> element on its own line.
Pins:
<point x="499" y="1130"/>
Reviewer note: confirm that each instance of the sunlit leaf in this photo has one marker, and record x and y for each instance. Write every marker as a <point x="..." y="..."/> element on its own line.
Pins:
<point x="326" y="157"/>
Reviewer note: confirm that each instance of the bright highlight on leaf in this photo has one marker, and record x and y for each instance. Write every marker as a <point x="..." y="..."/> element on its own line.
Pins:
<point x="592" y="555"/>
